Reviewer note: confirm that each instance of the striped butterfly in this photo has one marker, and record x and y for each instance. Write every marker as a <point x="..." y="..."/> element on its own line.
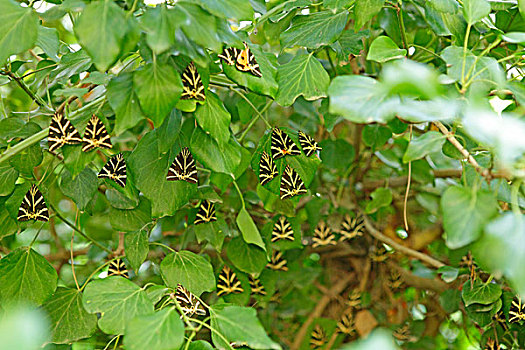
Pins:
<point x="188" y="302"/>
<point x="282" y="230"/>
<point x="282" y="144"/>
<point x="117" y="268"/>
<point x="192" y="86"/>
<point x="308" y="144"/>
<point x="62" y="132"/>
<point x="206" y="213"/>
<point x="291" y="184"/>
<point x="323" y="236"/>
<point x="267" y="169"/>
<point x="351" y="228"/>
<point x="33" y="206"/>
<point x="183" y="168"/>
<point x="115" y="169"/>
<point x="228" y="282"/>
<point x="256" y="285"/>
<point x="95" y="135"/>
<point x="277" y="262"/>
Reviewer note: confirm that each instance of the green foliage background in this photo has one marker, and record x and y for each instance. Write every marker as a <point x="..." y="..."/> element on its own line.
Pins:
<point x="418" y="108"/>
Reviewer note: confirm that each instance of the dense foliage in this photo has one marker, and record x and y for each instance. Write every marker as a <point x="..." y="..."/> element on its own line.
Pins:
<point x="409" y="218"/>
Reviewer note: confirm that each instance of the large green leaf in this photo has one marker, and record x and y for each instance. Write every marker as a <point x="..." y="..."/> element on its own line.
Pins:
<point x="69" y="321"/>
<point x="81" y="188"/>
<point x="384" y="49"/>
<point x="123" y="99"/>
<point x="9" y="225"/>
<point x="303" y="75"/>
<point x="26" y="277"/>
<point x="198" y="25"/>
<point x="365" y="10"/>
<point x="159" y="28"/>
<point x="136" y="247"/>
<point x="224" y="158"/>
<point x="23" y="329"/>
<point x="158" y="87"/>
<point x="118" y="300"/>
<point x="162" y="330"/>
<point x="381" y="197"/>
<point x="18" y="29"/>
<point x="246" y="257"/>
<point x="239" y="324"/>
<point x="27" y="159"/>
<point x="229" y="9"/>
<point x="475" y="10"/>
<point x="249" y="230"/>
<point x="131" y="219"/>
<point x="48" y="41"/>
<point x="214" y="118"/>
<point x="213" y="232"/>
<point x="480" y="293"/>
<point x="8" y="176"/>
<point x="193" y="271"/>
<point x="422" y="145"/>
<point x="314" y="30"/>
<point x="465" y="212"/>
<point x="100" y="31"/>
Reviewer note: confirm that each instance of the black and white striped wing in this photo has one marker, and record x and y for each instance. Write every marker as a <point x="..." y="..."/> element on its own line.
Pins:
<point x="277" y="261"/>
<point x="192" y="86"/>
<point x="246" y="62"/>
<point x="308" y="144"/>
<point x="282" y="230"/>
<point x="206" y="213"/>
<point x="256" y="285"/>
<point x="33" y="206"/>
<point x="318" y="337"/>
<point x="118" y="268"/>
<point x="115" y="169"/>
<point x="228" y="282"/>
<point x="517" y="310"/>
<point x="291" y="184"/>
<point x="62" y="132"/>
<point x="183" y="168"/>
<point x="267" y="169"/>
<point x="323" y="236"/>
<point x="189" y="304"/>
<point x="282" y="144"/>
<point x="96" y="135"/>
<point x="229" y="55"/>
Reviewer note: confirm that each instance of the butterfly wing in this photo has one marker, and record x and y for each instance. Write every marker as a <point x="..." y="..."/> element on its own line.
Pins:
<point x="291" y="184"/>
<point x="115" y="169"/>
<point x="246" y="62"/>
<point x="267" y="169"/>
<point x="62" y="132"/>
<point x="229" y="55"/>
<point x="96" y="135"/>
<point x="33" y="206"/>
<point x="308" y="144"/>
<point x="118" y="268"/>
<point x="228" y="282"/>
<point x="277" y="261"/>
<point x="282" y="144"/>
<point x="282" y="230"/>
<point x="206" y="213"/>
<point x="183" y="168"/>
<point x="192" y="85"/>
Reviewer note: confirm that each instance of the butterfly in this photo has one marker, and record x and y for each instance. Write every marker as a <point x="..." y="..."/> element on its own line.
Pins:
<point x="256" y="286"/>
<point x="277" y="262"/>
<point x="183" y="168"/>
<point x="346" y="323"/>
<point x="282" y="144"/>
<point x="192" y="87"/>
<point x="206" y="213"/>
<point x="318" y="337"/>
<point x="282" y="230"/>
<point x="492" y="345"/>
<point x="188" y="302"/>
<point x="244" y="60"/>
<point x="468" y="262"/>
<point x="62" y="132"/>
<point x="117" y="268"/>
<point x="96" y="135"/>
<point x="323" y="236"/>
<point x="115" y="169"/>
<point x="354" y="299"/>
<point x="267" y="169"/>
<point x="33" y="206"/>
<point x="351" y="228"/>
<point x="402" y="333"/>
<point x="309" y="145"/>
<point x="228" y="282"/>
<point x="379" y="254"/>
<point x="395" y="281"/>
<point x="291" y="183"/>
<point x="517" y="310"/>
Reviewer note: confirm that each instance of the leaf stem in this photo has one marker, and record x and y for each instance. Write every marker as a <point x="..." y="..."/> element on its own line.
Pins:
<point x="465" y="44"/>
<point x="252" y="122"/>
<point x="212" y="330"/>
<point x="240" y="193"/>
<point x="94" y="272"/>
<point x="399" y="12"/>
<point x="163" y="245"/>
<point x="514" y="197"/>
<point x="251" y="105"/>
<point x="38" y="100"/>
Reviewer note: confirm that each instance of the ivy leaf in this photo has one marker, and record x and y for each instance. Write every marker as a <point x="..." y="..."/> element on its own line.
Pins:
<point x="480" y="293"/>
<point x="118" y="300"/>
<point x="189" y="269"/>
<point x="314" y="30"/>
<point x="465" y="212"/>
<point x="424" y="144"/>
<point x="381" y="197"/>
<point x="239" y="324"/>
<point x="475" y="10"/>
<point x="124" y="101"/>
<point x="18" y="29"/>
<point x="26" y="277"/>
<point x="246" y="257"/>
<point x="229" y="9"/>
<point x="249" y="230"/>
<point x="8" y="177"/>
<point x="159" y="28"/>
<point x="136" y="247"/>
<point x="131" y="219"/>
<point x="162" y="330"/>
<point x="81" y="188"/>
<point x="384" y="49"/>
<point x="303" y="75"/>
<point x="214" y="118"/>
<point x="99" y="31"/>
<point x="365" y="10"/>
<point x="69" y="321"/>
<point x="158" y="87"/>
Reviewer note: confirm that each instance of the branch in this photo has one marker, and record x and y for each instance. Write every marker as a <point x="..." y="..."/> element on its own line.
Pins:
<point x="399" y="247"/>
<point x="418" y="282"/>
<point x="399" y="181"/>
<point x="27" y="90"/>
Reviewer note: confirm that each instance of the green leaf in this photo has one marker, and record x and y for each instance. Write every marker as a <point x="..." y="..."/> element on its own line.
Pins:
<point x="229" y="9"/>
<point x="422" y="145"/>
<point x="239" y="324"/>
<point x="75" y="160"/>
<point x="404" y="77"/>
<point x="26" y="277"/>
<point x="448" y="273"/>
<point x="375" y="136"/>
<point x="246" y="257"/>
<point x="384" y="49"/>
<point x="337" y="4"/>
<point x="124" y="101"/>
<point x="223" y="158"/>
<point x="158" y="87"/>
<point x="131" y="219"/>
<point x="249" y="230"/>
<point x="119" y="200"/>
<point x="337" y="154"/>
<point x="214" y="118"/>
<point x="480" y="293"/>
<point x="69" y="321"/>
<point x="13" y="202"/>
<point x="18" y="29"/>
<point x="349" y="43"/>
<point x="365" y="10"/>
<point x="118" y="300"/>
<point x="136" y="247"/>
<point x="81" y="188"/>
<point x="198" y="25"/>
<point x="303" y="75"/>
<point x="23" y="329"/>
<point x="521" y="6"/>
<point x="360" y="99"/>
<point x="27" y="159"/>
<point x="465" y="212"/>
<point x="48" y="42"/>
<point x="9" y="225"/>
<point x="200" y="345"/>
<point x="100" y="32"/>
<point x="475" y="10"/>
<point x="159" y="28"/>
<point x="193" y="271"/>
<point x="162" y="330"/>
<point x="8" y="177"/>
<point x="483" y="314"/>
<point x="213" y="232"/>
<point x="314" y="30"/>
<point x="381" y="197"/>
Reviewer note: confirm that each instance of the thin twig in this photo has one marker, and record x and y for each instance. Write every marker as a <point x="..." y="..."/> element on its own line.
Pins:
<point x="408" y="187"/>
<point x="251" y="105"/>
<point x="27" y="90"/>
